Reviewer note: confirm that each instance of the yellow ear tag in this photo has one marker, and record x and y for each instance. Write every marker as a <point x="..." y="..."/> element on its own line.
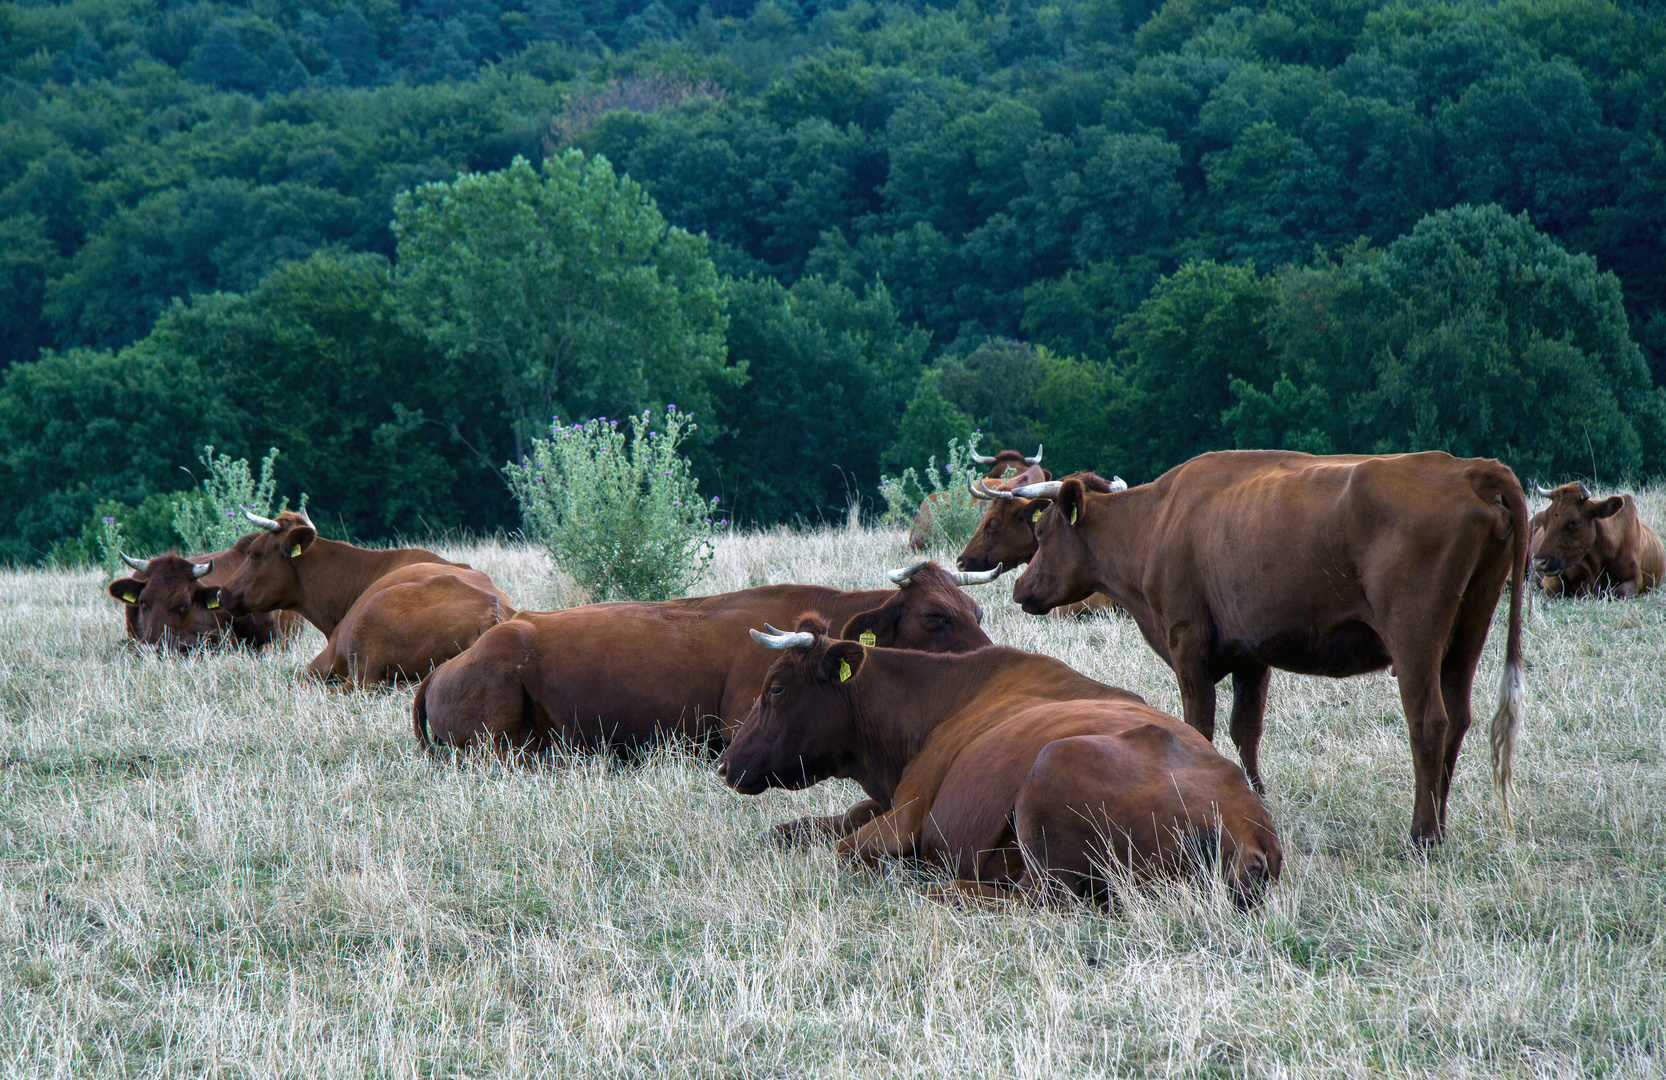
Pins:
<point x="1072" y="515"/>
<point x="295" y="551"/>
<point x="866" y="637"/>
<point x="212" y="604"/>
<point x="1035" y="517"/>
<point x="131" y="598"/>
<point x="844" y="670"/>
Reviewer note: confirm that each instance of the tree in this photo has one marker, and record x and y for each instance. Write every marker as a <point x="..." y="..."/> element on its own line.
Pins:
<point x="565" y="288"/>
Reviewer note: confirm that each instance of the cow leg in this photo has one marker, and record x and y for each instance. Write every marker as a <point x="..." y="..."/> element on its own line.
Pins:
<point x="812" y="829"/>
<point x="1426" y="723"/>
<point x="1249" y="712"/>
<point x="893" y="833"/>
<point x="1197" y="695"/>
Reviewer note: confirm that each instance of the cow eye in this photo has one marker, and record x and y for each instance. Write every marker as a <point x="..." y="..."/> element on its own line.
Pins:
<point x="776" y="690"/>
<point x="1572" y="526"/>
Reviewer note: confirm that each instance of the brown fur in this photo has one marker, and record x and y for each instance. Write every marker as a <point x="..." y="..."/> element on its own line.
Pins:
<point x="1239" y="562"/>
<point x="1584" y="547"/>
<point x="389" y="615"/>
<point x="1009" y="769"/>
<point x="1006" y="538"/>
<point x="172" y="608"/>
<point x="627" y="674"/>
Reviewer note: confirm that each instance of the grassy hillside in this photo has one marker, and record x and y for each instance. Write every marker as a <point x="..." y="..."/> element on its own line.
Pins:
<point x="210" y="868"/>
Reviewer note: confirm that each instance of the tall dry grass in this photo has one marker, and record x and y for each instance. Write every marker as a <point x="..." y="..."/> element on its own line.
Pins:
<point x="207" y="867"/>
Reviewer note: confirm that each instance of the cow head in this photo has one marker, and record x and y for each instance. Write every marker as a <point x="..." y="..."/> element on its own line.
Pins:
<point x="170" y="606"/>
<point x="1062" y="570"/>
<point x="268" y="580"/>
<point x="928" y="612"/>
<point x="801" y="729"/>
<point x="1568" y="526"/>
<point x="1008" y="459"/>
<point x="1006" y="536"/>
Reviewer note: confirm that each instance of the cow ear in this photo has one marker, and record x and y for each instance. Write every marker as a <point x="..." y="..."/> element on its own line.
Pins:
<point x="127" y="589"/>
<point x="1608" y="507"/>
<point x="1037" y="507"/>
<point x="876" y="627"/>
<point x="842" y="661"/>
<point x="1072" y="497"/>
<point x="299" y="539"/>
<point x="207" y="596"/>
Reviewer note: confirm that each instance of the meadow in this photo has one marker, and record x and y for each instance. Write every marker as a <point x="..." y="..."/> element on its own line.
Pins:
<point x="210" y="868"/>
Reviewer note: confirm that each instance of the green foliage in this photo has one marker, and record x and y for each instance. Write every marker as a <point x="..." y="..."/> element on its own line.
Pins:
<point x="623" y="517"/>
<point x="955" y="513"/>
<point x="143" y="530"/>
<point x="563" y="287"/>
<point x="211" y="517"/>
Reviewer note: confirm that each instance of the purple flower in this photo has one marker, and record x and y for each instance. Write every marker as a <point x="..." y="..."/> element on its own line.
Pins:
<point x="716" y="499"/>
<point x="109" y="519"/>
<point x="665" y="472"/>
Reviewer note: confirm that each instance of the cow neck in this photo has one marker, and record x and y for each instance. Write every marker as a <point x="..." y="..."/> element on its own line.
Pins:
<point x="334" y="575"/>
<point x="1117" y="527"/>
<point x="933" y="688"/>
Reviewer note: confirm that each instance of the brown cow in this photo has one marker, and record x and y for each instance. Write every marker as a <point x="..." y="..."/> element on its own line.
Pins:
<point x="1241" y="561"/>
<point x="175" y="602"/>
<point x="628" y="673"/>
<point x="388" y="615"/>
<point x="1027" y="470"/>
<point x="1584" y="546"/>
<point x="1014" y="772"/>
<point x="1006" y="536"/>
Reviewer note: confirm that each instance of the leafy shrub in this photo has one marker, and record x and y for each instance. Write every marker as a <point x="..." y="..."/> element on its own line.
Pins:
<point x="143" y="530"/>
<point x="211" y="517"/>
<point x="954" y="513"/>
<point x="623" y="516"/>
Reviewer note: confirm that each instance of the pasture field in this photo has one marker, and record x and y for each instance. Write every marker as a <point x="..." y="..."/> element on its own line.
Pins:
<point x="208" y="868"/>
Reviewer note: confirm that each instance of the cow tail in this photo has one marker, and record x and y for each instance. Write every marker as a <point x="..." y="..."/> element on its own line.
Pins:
<point x="419" y="715"/>
<point x="1512" y="690"/>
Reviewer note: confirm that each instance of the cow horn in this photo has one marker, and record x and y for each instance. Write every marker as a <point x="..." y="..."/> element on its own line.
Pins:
<point x="202" y="570"/>
<point x="266" y="523"/>
<point x="1118" y="484"/>
<point x="1034" y="460"/>
<point x="974" y="577"/>
<point x="903" y="576"/>
<point x="1542" y="490"/>
<point x="980" y="491"/>
<point x="1047" y="489"/>
<point x="778" y="639"/>
<point x="301" y="511"/>
<point x="1584" y="495"/>
<point x="141" y="565"/>
<point x="981" y="460"/>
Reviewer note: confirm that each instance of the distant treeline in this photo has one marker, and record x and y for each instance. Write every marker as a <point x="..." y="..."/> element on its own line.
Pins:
<point x="1130" y="230"/>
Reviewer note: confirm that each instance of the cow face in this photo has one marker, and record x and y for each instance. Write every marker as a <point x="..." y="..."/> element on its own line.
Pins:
<point x="801" y="729"/>
<point x="268" y="579"/>
<point x="1567" y="529"/>
<point x="167" y="605"/>
<point x="1006" y="536"/>
<point x="929" y="612"/>
<point x="1061" y="571"/>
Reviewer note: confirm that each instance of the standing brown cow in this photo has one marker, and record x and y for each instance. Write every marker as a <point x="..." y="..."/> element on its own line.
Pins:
<point x="1006" y="536"/>
<point x="1028" y="471"/>
<point x="1009" y="769"/>
<point x="1241" y="561"/>
<point x="1584" y="546"/>
<point x="175" y="602"/>
<point x="388" y="615"/>
<point x="628" y="673"/>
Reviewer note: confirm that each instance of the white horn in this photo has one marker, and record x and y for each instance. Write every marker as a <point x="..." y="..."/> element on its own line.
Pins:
<point x="776" y="639"/>
<point x="980" y="491"/>
<point x="1542" y="490"/>
<point x="1034" y="460"/>
<point x="1048" y="489"/>
<point x="266" y="523"/>
<point x="1118" y="484"/>
<point x="981" y="460"/>
<point x="901" y="577"/>
<point x="974" y="577"/>
<point x="203" y="569"/>
<point x="1584" y="495"/>
<point x="141" y="565"/>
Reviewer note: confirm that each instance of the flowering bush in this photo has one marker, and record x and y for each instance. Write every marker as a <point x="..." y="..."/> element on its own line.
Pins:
<point x="623" y="516"/>
<point x="211" y="517"/>
<point x="954" y="513"/>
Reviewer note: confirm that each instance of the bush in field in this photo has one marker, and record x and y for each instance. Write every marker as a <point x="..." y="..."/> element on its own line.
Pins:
<point x="954" y="512"/>
<point x="622" y="515"/>
<point x="211" y="517"/>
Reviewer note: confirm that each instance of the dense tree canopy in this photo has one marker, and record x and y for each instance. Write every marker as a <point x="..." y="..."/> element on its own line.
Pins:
<point x="1134" y="229"/>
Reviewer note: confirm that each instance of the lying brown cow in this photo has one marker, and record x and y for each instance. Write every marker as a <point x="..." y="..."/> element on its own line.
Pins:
<point x="1006" y="536"/>
<point x="1011" y="770"/>
<point x="1238" y="562"/>
<point x="1027" y="470"/>
<point x="175" y="602"/>
<point x="388" y="615"/>
<point x="1584" y="546"/>
<point x="627" y="674"/>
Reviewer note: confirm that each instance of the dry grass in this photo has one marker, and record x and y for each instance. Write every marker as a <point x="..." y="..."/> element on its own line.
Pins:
<point x="208" y="868"/>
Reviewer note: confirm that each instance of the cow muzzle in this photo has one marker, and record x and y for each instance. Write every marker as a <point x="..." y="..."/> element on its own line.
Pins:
<point x="1548" y="564"/>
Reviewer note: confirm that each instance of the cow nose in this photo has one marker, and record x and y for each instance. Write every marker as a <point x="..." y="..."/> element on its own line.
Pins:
<point x="722" y="769"/>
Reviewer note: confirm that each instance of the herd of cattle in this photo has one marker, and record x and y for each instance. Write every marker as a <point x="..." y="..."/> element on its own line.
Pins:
<point x="1015" y="772"/>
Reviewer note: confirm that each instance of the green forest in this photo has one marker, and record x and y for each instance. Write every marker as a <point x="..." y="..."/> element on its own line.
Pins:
<point x="397" y="238"/>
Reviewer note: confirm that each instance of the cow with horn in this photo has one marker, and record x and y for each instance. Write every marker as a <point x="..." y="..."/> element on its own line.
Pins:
<point x="1018" y="775"/>
<point x="627" y="674"/>
<point x="174" y="602"/>
<point x="1026" y="470"/>
<point x="388" y="615"/>
<point x="1583" y="546"/>
<point x="1241" y="561"/>
<point x="1006" y="535"/>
